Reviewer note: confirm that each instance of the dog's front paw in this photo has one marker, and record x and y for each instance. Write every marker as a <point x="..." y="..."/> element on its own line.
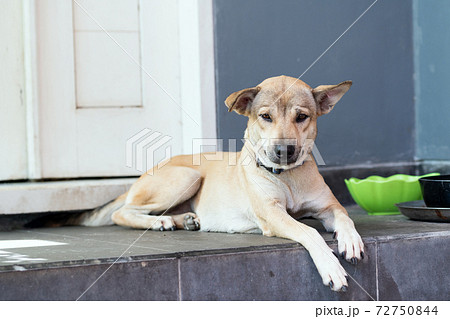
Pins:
<point x="331" y="271"/>
<point x="350" y="244"/>
<point x="163" y="223"/>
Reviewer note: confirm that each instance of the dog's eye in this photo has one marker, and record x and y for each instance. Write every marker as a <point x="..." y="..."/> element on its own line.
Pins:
<point x="266" y="117"/>
<point x="301" y="118"/>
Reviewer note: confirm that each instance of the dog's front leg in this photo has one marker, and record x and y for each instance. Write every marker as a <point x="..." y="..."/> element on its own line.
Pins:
<point x="275" y="221"/>
<point x="335" y="219"/>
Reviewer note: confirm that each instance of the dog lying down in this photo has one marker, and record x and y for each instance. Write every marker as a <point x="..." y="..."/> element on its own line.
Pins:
<point x="273" y="183"/>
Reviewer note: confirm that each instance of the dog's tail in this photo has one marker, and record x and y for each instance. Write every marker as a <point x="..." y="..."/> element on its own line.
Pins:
<point x="100" y="216"/>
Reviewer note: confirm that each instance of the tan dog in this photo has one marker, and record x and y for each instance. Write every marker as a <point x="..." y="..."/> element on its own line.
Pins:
<point x="271" y="185"/>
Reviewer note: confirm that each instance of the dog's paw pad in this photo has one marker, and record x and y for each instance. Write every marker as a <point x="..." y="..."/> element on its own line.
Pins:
<point x="191" y="223"/>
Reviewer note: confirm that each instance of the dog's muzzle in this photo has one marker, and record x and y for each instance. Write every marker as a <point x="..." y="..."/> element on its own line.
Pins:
<point x="283" y="154"/>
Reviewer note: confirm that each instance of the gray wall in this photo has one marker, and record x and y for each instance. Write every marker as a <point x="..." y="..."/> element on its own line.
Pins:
<point x="375" y="121"/>
<point x="432" y="64"/>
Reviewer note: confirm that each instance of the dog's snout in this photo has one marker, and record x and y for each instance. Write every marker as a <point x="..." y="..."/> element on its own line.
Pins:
<point x="284" y="150"/>
<point x="284" y="154"/>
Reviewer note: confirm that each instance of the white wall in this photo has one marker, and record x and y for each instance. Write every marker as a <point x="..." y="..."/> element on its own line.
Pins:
<point x="13" y="147"/>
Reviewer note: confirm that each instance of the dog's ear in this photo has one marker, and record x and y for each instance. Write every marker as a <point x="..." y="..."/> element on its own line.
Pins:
<point x="327" y="96"/>
<point x="242" y="100"/>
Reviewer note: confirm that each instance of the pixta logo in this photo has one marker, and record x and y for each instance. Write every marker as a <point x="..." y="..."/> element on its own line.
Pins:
<point x="141" y="148"/>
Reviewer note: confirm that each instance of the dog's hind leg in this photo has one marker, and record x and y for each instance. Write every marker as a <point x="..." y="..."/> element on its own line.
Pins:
<point x="101" y="216"/>
<point x="155" y="194"/>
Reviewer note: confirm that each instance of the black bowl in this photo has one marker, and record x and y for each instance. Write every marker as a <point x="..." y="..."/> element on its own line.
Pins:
<point x="436" y="191"/>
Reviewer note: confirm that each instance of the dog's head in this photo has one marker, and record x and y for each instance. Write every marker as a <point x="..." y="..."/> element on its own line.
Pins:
<point x="283" y="114"/>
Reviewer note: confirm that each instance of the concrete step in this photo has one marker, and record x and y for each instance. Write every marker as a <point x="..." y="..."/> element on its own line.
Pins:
<point x="406" y="260"/>
<point x="57" y="196"/>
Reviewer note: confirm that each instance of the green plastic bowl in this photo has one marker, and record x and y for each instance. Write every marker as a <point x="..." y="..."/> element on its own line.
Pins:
<point x="378" y="195"/>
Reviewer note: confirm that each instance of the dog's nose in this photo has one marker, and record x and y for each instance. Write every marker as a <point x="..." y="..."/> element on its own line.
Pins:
<point x="285" y="151"/>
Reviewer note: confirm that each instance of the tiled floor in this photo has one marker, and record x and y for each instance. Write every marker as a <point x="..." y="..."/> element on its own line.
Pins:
<point x="93" y="245"/>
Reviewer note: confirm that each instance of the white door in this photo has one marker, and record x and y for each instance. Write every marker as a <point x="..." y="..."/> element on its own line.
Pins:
<point x="106" y="70"/>
<point x="79" y="78"/>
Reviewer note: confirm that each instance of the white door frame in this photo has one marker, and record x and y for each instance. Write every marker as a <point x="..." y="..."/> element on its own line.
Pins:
<point x="197" y="69"/>
<point x="31" y="89"/>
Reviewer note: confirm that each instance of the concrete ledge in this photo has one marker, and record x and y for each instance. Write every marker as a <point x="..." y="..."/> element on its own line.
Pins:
<point x="18" y="198"/>
<point x="405" y="261"/>
<point x="274" y="273"/>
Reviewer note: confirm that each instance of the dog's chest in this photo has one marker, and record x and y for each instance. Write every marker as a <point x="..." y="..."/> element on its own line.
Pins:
<point x="292" y="198"/>
<point x="297" y="195"/>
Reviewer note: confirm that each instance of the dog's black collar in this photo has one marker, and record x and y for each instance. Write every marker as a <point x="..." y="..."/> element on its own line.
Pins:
<point x="270" y="169"/>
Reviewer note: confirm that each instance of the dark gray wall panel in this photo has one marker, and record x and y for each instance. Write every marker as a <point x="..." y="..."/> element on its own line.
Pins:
<point x="432" y="51"/>
<point x="139" y="280"/>
<point x="399" y="281"/>
<point x="285" y="274"/>
<point x="374" y="122"/>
